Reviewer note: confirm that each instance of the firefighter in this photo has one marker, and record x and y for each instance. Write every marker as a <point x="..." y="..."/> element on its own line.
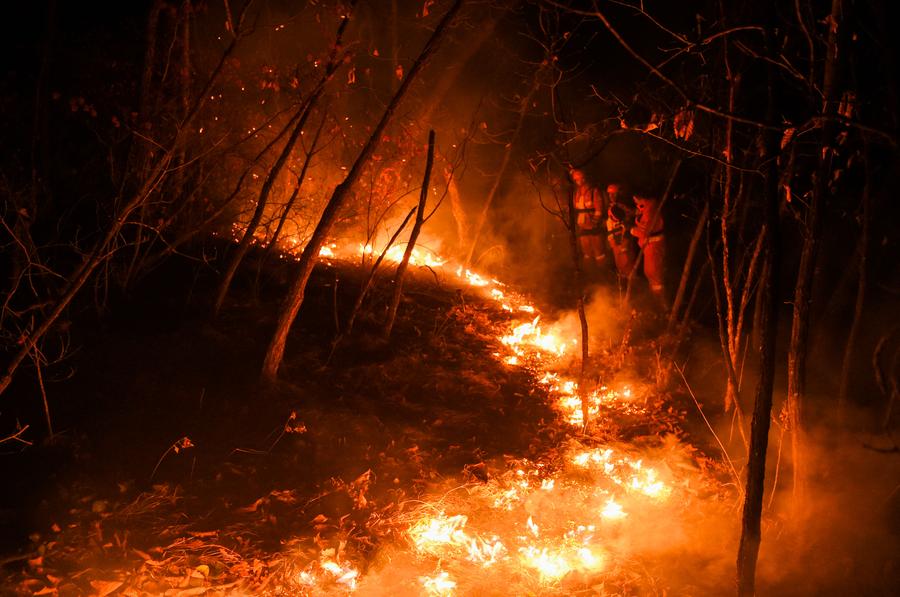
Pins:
<point x="589" y="220"/>
<point x="648" y="230"/>
<point x="619" y="215"/>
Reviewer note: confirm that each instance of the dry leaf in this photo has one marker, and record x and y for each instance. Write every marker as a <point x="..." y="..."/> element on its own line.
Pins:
<point x="105" y="587"/>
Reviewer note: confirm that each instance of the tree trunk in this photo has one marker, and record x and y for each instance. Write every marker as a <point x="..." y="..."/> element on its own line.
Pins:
<point x="275" y="350"/>
<point x="798" y="350"/>
<point x="578" y="283"/>
<point x="767" y="294"/>
<point x="413" y="237"/>
<point x="457" y="209"/>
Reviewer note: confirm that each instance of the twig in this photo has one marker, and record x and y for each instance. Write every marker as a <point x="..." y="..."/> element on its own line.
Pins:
<point x="734" y="472"/>
<point x="17" y="437"/>
<point x="182" y="444"/>
<point x="40" y="378"/>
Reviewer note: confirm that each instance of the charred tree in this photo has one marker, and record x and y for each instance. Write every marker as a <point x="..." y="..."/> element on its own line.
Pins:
<point x="411" y="244"/>
<point x="275" y="350"/>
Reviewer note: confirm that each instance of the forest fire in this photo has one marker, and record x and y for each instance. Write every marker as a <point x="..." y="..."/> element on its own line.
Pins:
<point x="443" y="297"/>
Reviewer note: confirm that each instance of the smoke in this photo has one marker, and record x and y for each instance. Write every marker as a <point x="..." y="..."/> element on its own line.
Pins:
<point x="841" y="534"/>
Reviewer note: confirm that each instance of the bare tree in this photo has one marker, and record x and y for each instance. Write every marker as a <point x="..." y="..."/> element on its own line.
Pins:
<point x="275" y="350"/>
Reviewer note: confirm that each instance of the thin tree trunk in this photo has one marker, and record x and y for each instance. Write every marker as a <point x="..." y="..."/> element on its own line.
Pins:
<point x="40" y="129"/>
<point x="578" y="282"/>
<point x="367" y="285"/>
<point x="850" y="348"/>
<point x="334" y="62"/>
<point x="457" y="209"/>
<point x="270" y="248"/>
<point x="689" y="308"/>
<point x="145" y="109"/>
<point x="767" y="293"/>
<point x="731" y="372"/>
<point x="728" y="207"/>
<point x="798" y="350"/>
<point x="413" y="237"/>
<point x="688" y="265"/>
<point x="275" y="350"/>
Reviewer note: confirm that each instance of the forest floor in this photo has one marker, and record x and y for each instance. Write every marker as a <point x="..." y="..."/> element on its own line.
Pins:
<point x="451" y="460"/>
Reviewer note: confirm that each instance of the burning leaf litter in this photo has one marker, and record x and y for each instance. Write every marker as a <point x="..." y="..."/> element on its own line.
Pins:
<point x="568" y="519"/>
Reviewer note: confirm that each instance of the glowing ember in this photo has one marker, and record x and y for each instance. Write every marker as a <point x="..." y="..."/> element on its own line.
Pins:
<point x="344" y="575"/>
<point x="328" y="570"/>
<point x="627" y="473"/>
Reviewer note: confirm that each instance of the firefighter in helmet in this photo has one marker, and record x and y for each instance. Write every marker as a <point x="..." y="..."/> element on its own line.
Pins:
<point x="648" y="230"/>
<point x="589" y="219"/>
<point x="619" y="216"/>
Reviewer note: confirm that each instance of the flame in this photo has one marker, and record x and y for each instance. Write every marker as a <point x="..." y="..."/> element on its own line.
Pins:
<point x="471" y="277"/>
<point x="418" y="257"/>
<point x="439" y="585"/>
<point x="552" y="564"/>
<point x="325" y="251"/>
<point x="530" y="335"/>
<point x="486" y="553"/>
<point x="613" y="511"/>
<point x="431" y="535"/>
